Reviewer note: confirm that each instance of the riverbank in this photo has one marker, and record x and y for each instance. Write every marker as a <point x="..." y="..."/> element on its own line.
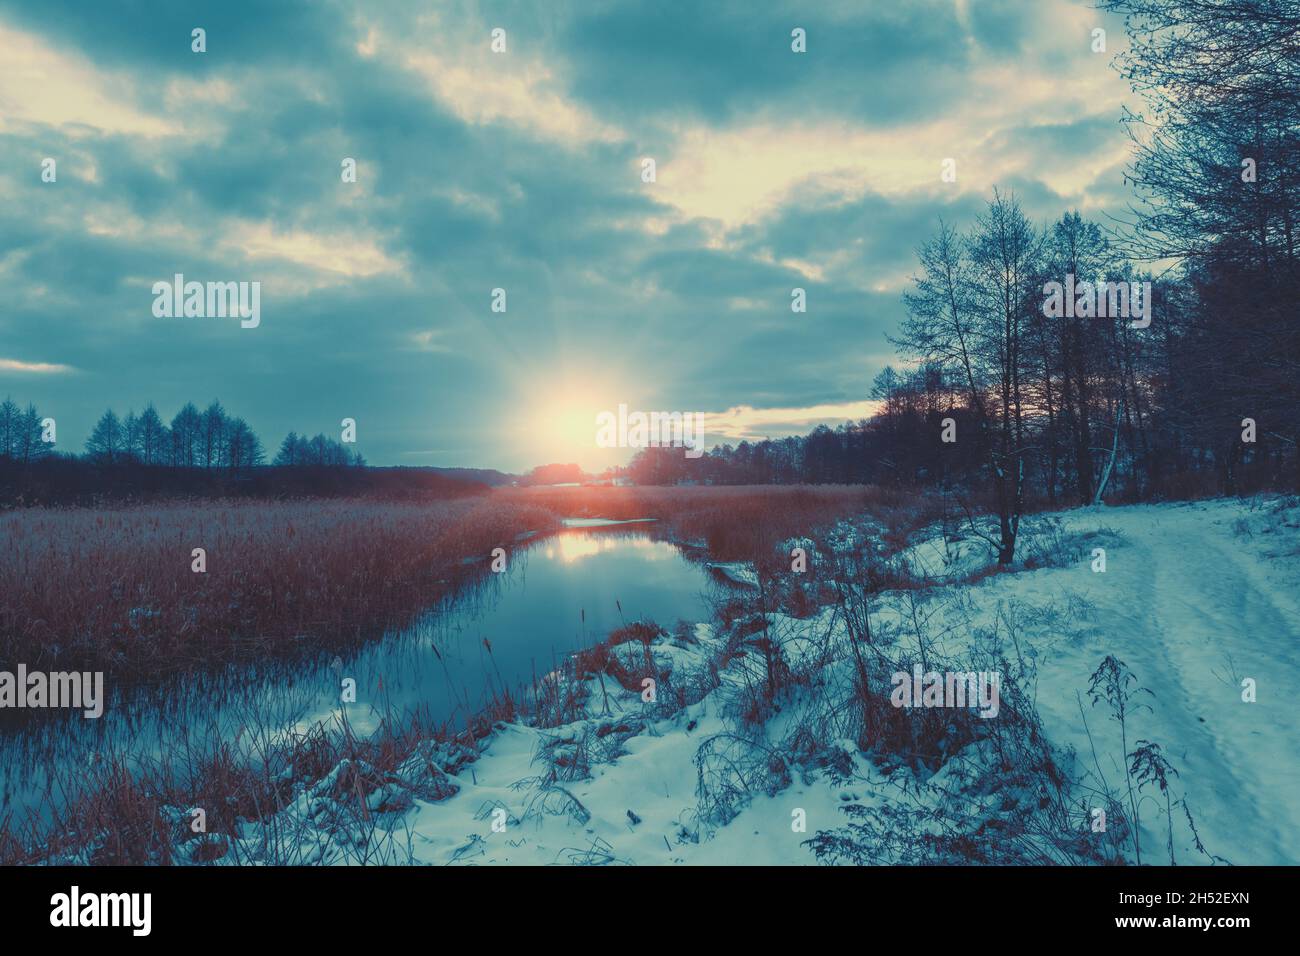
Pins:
<point x="768" y="734"/>
<point x="717" y="770"/>
<point x="209" y="649"/>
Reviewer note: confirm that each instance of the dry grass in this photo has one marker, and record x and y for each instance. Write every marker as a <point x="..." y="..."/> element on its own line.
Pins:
<point x="124" y="811"/>
<point x="114" y="590"/>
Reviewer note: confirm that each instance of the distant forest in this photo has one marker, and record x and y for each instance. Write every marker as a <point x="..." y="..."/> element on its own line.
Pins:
<point x="199" y="453"/>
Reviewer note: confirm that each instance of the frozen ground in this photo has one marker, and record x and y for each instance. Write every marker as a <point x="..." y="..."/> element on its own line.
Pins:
<point x="1194" y="599"/>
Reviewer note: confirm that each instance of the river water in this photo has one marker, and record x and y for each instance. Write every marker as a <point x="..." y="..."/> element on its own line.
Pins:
<point x="560" y="593"/>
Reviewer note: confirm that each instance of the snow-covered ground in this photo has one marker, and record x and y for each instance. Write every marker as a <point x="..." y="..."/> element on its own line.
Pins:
<point x="1195" y="599"/>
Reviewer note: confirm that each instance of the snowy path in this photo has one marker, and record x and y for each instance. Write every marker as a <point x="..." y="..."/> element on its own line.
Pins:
<point x="1192" y="608"/>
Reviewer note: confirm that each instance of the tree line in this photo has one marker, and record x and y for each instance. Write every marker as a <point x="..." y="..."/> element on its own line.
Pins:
<point x="21" y="433"/>
<point x="210" y="439"/>
<point x="196" y="453"/>
<point x="1003" y="396"/>
<point x="194" y="439"/>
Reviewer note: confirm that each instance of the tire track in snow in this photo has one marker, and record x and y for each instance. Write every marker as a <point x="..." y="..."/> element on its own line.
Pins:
<point x="1202" y="597"/>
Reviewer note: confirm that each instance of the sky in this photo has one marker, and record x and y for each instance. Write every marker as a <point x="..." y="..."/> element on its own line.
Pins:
<point x="520" y="170"/>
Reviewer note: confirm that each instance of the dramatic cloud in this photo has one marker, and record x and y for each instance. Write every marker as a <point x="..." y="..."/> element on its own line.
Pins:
<point x="520" y="171"/>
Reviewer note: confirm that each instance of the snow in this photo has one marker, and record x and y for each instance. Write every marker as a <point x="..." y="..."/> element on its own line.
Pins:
<point x="655" y="779"/>
<point x="1194" y="598"/>
<point x="944" y="557"/>
<point x="1192" y="603"/>
<point x="1191" y="607"/>
<point x="737" y="572"/>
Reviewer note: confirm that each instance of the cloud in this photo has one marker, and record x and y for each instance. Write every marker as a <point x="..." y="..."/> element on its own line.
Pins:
<point x="33" y="368"/>
<point x="746" y="423"/>
<point x="45" y="86"/>
<point x="519" y="170"/>
<point x="430" y="340"/>
<point x="742" y="174"/>
<point x="503" y="90"/>
<point x="520" y="87"/>
<point x="347" y="255"/>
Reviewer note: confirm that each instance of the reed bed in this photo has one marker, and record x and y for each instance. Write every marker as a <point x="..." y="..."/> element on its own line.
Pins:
<point x="116" y="590"/>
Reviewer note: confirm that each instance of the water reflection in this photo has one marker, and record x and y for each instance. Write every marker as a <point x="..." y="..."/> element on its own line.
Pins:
<point x="559" y="593"/>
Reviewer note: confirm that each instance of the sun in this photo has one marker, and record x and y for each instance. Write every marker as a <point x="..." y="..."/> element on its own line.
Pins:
<point x="568" y="426"/>
<point x="562" y="428"/>
<point x="552" y="414"/>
